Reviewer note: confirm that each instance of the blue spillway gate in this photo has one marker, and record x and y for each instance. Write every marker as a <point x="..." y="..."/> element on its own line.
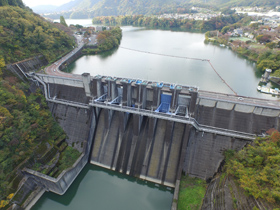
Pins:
<point x="165" y="101"/>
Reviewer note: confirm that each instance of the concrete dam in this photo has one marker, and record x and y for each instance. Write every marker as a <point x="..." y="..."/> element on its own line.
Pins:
<point x="154" y="131"/>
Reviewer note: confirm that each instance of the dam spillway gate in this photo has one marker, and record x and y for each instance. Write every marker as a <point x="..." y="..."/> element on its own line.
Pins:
<point x="153" y="130"/>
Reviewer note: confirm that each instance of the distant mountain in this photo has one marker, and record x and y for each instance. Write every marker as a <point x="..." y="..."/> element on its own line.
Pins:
<point x="93" y="8"/>
<point x="72" y="5"/>
<point x="44" y="8"/>
<point x="129" y="7"/>
<point x="51" y="8"/>
<point x="259" y="3"/>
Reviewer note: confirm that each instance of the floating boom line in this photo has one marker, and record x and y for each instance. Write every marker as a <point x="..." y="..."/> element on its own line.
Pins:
<point x="173" y="56"/>
<point x="221" y="78"/>
<point x="182" y="57"/>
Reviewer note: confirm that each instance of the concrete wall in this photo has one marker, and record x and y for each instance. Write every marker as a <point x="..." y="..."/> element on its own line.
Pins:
<point x="74" y="121"/>
<point x="28" y="65"/>
<point x="32" y="64"/>
<point x="69" y="93"/>
<point x="205" y="153"/>
<point x="86" y="131"/>
<point x="151" y="152"/>
<point x="61" y="80"/>
<point x="71" y="58"/>
<point x="62" y="183"/>
<point x="238" y="117"/>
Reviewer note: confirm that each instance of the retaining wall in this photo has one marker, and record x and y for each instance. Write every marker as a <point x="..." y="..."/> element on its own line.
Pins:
<point x="62" y="183"/>
<point x="61" y="80"/>
<point x="238" y="117"/>
<point x="205" y="153"/>
<point x="71" y="58"/>
<point x="28" y="65"/>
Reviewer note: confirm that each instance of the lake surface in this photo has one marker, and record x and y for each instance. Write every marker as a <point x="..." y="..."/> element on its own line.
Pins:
<point x="100" y="189"/>
<point x="238" y="72"/>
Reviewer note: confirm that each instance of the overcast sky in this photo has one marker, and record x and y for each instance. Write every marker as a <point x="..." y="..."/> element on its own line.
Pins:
<point x="32" y="3"/>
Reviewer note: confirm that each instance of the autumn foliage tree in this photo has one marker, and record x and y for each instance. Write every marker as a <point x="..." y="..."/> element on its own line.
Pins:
<point x="2" y="64"/>
<point x="24" y="34"/>
<point x="109" y="39"/>
<point x="257" y="168"/>
<point x="26" y="124"/>
<point x="150" y="21"/>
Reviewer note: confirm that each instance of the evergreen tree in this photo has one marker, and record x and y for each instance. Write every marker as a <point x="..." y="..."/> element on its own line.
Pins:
<point x="11" y="3"/>
<point x="62" y="21"/>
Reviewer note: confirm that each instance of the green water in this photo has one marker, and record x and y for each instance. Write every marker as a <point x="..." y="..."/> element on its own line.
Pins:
<point x="100" y="189"/>
<point x="239" y="73"/>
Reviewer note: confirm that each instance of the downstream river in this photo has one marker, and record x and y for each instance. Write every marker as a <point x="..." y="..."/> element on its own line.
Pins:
<point x="99" y="189"/>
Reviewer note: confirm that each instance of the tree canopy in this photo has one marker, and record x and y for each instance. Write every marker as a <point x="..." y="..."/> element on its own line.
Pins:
<point x="188" y="24"/>
<point x="257" y="168"/>
<point x="24" y="34"/>
<point x="11" y="3"/>
<point x="94" y="8"/>
<point x="62" y="21"/>
<point x="27" y="128"/>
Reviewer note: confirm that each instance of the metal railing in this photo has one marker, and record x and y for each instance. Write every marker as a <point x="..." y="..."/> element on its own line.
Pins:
<point x="175" y="118"/>
<point x="59" y="101"/>
<point x="22" y="71"/>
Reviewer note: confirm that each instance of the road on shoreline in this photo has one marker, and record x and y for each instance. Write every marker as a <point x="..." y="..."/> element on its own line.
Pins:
<point x="53" y="69"/>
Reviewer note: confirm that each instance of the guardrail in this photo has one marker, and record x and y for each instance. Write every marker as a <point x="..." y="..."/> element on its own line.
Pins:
<point x="59" y="101"/>
<point x="243" y="100"/>
<point x="175" y="118"/>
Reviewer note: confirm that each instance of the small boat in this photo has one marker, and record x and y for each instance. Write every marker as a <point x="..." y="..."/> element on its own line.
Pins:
<point x="274" y="91"/>
<point x="222" y="45"/>
<point x="265" y="89"/>
<point x="268" y="90"/>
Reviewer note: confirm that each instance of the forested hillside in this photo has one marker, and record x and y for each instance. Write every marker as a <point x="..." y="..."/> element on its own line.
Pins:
<point x="186" y="24"/>
<point x="257" y="168"/>
<point x="24" y="34"/>
<point x="259" y="3"/>
<point x="93" y="8"/>
<point x="11" y="3"/>
<point x="28" y="132"/>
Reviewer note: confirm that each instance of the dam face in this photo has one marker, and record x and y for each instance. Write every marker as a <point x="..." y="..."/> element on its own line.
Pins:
<point x="155" y="131"/>
<point x="151" y="154"/>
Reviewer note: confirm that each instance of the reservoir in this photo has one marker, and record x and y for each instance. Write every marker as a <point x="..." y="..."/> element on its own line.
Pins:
<point x="100" y="189"/>
<point x="138" y="57"/>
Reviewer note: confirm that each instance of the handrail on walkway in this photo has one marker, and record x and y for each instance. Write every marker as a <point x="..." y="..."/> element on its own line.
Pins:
<point x="175" y="118"/>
